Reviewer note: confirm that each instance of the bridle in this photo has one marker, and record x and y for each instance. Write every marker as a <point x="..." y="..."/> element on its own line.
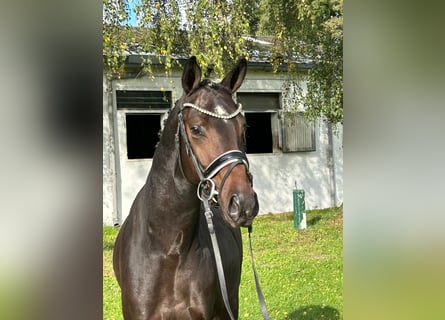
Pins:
<point x="206" y="187"/>
<point x="206" y="192"/>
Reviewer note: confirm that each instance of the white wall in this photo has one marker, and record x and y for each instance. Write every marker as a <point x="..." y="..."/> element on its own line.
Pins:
<point x="274" y="174"/>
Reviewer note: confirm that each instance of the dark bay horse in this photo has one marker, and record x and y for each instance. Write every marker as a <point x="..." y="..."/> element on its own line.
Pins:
<point x="163" y="257"/>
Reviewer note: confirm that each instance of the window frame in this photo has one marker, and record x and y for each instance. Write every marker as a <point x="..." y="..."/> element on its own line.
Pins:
<point x="122" y="113"/>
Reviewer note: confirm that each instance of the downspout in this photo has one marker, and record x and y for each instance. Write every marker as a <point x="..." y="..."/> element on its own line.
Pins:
<point x="112" y="153"/>
<point x="331" y="167"/>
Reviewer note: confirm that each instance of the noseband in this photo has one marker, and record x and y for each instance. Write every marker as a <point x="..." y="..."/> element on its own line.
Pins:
<point x="206" y="187"/>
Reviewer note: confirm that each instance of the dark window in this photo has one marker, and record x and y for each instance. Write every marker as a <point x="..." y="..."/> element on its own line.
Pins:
<point x="259" y="132"/>
<point x="142" y="134"/>
<point x="143" y="99"/>
<point x="260" y="108"/>
<point x="143" y="128"/>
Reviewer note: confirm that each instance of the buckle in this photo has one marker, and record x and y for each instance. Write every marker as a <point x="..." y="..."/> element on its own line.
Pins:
<point x="206" y="189"/>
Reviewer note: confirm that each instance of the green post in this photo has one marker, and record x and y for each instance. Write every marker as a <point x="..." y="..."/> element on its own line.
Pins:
<point x="299" y="209"/>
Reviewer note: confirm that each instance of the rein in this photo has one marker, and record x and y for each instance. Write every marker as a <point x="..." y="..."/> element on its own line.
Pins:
<point x="206" y="191"/>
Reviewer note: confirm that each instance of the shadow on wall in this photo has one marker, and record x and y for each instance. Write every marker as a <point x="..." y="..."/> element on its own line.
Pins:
<point x="315" y="313"/>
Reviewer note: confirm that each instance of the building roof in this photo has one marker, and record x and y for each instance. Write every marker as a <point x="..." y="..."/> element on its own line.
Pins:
<point x="260" y="53"/>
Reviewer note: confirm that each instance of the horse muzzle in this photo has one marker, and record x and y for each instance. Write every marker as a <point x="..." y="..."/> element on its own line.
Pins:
<point x="235" y="193"/>
<point x="242" y="209"/>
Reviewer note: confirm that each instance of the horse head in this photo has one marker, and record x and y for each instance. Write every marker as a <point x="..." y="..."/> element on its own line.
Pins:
<point x="213" y="143"/>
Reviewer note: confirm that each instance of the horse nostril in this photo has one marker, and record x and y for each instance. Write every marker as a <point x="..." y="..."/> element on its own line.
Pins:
<point x="234" y="206"/>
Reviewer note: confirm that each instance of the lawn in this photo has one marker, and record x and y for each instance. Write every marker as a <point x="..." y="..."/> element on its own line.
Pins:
<point x="301" y="271"/>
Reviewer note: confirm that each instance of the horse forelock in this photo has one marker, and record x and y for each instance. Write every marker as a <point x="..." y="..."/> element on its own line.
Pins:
<point x="211" y="96"/>
<point x="210" y="84"/>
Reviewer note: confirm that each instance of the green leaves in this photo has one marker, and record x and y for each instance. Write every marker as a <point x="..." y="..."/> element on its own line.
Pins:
<point x="211" y="30"/>
<point x="311" y="30"/>
<point x="214" y="32"/>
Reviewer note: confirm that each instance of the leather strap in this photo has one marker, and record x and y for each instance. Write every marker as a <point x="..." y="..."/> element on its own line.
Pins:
<point x="261" y="299"/>
<point x="219" y="267"/>
<point x="225" y="159"/>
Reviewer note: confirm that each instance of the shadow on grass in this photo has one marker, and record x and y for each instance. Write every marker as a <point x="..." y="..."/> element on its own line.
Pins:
<point x="313" y="220"/>
<point x="108" y="245"/>
<point x="315" y="312"/>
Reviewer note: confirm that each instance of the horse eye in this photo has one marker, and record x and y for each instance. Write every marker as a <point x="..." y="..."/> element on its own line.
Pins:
<point x="196" y="130"/>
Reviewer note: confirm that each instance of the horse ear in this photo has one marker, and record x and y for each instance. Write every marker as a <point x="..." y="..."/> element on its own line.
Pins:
<point x="191" y="76"/>
<point x="235" y="78"/>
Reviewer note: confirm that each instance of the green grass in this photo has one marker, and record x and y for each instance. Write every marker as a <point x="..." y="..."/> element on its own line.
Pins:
<point x="301" y="271"/>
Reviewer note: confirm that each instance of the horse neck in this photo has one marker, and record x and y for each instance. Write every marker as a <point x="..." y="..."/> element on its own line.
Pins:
<point x="172" y="199"/>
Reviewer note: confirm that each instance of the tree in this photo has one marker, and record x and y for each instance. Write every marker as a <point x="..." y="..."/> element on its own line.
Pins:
<point x="323" y="21"/>
<point x="215" y="32"/>
<point x="309" y="30"/>
<point x="211" y="30"/>
<point x="115" y="35"/>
